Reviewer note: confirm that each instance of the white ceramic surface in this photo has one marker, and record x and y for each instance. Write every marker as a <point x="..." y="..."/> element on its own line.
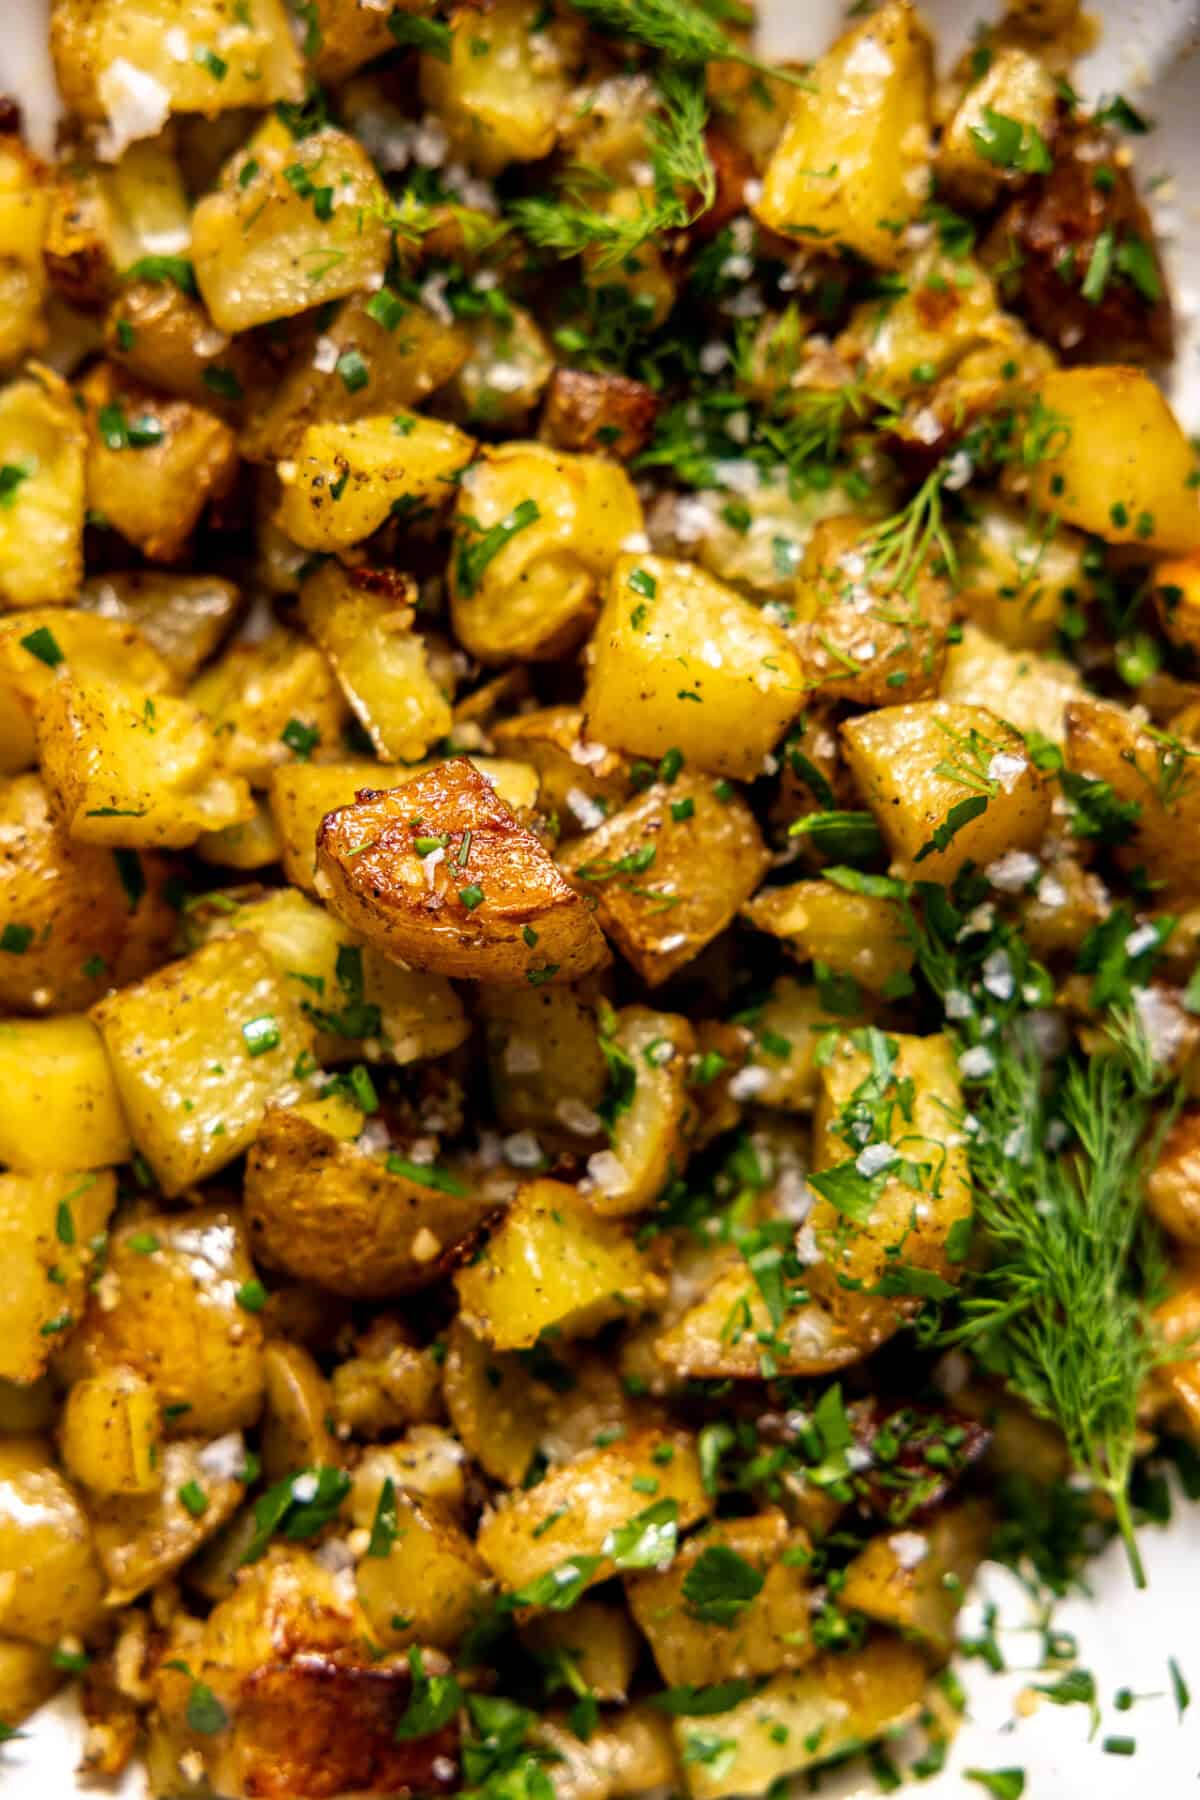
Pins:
<point x="1149" y="50"/>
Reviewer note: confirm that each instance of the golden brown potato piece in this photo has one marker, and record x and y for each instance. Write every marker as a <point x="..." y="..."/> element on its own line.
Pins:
<point x="496" y="1405"/>
<point x="70" y="927"/>
<point x="681" y="662"/>
<point x="600" y="1639"/>
<point x="141" y="1539"/>
<point x="860" y="639"/>
<point x="297" y="1428"/>
<point x="1017" y="85"/>
<point x="761" y="1625"/>
<point x="41" y="529"/>
<point x="180" y="1322"/>
<point x="438" y="874"/>
<point x="948" y="784"/>
<point x="28" y="1677"/>
<point x="50" y="1226"/>
<point x="1177" y="599"/>
<point x="729" y="1334"/>
<point x="183" y="617"/>
<point x="918" y="1578"/>
<point x="50" y="1580"/>
<point x="532" y="1533"/>
<point x="24" y="205"/>
<point x="575" y="777"/>
<point x="850" y="934"/>
<point x="1016" y="576"/>
<point x="835" y="1703"/>
<point x="427" y="1585"/>
<point x="853" y="160"/>
<point x="1118" y="463"/>
<point x="166" y="339"/>
<point x="343" y="481"/>
<point x="1173" y="1189"/>
<point x="270" y="701"/>
<point x="551" y="1262"/>
<point x="199" y="1049"/>
<point x="546" y="1069"/>
<point x="609" y="415"/>
<point x="110" y="1431"/>
<point x="153" y="464"/>
<point x="653" y="1119"/>
<point x="501" y="92"/>
<point x="347" y="1221"/>
<point x="669" y="871"/>
<point x="536" y="533"/>
<point x="386" y="1385"/>
<point x="1028" y="690"/>
<point x="62" y="1107"/>
<point x="1152" y="772"/>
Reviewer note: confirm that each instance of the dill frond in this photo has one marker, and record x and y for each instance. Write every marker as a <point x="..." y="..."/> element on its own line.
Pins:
<point x="899" y="548"/>
<point x="678" y="29"/>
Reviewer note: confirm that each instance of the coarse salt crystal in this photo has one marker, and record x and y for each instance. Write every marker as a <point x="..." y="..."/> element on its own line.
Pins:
<point x="748" y="1082"/>
<point x="521" y="1150"/>
<point x="957" y="1005"/>
<point x="304" y="1489"/>
<point x="224" y="1459"/>
<point x="976" y="1063"/>
<point x="998" y="976"/>
<point x="1006" y="769"/>
<point x="1012" y="871"/>
<point x="909" y="1548"/>
<point x="135" y="103"/>
<point x="607" y="1171"/>
<point x="713" y="358"/>
<point x="1143" y="939"/>
<point x="1164" y="1024"/>
<point x="325" y="355"/>
<point x="875" y="1159"/>
<point x="636" y="544"/>
<point x="578" y="1118"/>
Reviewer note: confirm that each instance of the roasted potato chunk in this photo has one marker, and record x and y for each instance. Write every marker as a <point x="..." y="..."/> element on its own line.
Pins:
<point x="50" y="1226"/>
<point x="183" y="617"/>
<point x="342" y="482"/>
<point x="62" y="1107"/>
<point x="536" y="533"/>
<point x="847" y="933"/>
<point x="1018" y="86"/>
<point x="551" y="1262"/>
<point x="50" y="1580"/>
<point x="917" y="1579"/>
<point x="578" y="780"/>
<point x="270" y="701"/>
<point x="948" y="784"/>
<point x="24" y="207"/>
<point x="729" y="1334"/>
<point x="532" y="1534"/>
<point x="608" y="415"/>
<point x="39" y="647"/>
<point x="1173" y="1189"/>
<point x="650" y="1053"/>
<point x="438" y="874"/>
<point x="681" y="662"/>
<point x="502" y="88"/>
<point x="199" y="1050"/>
<point x="104" y="221"/>
<point x="546" y="1068"/>
<point x="142" y="1539"/>
<point x="294" y="222"/>
<point x="165" y="338"/>
<point x="428" y="1585"/>
<point x="855" y="153"/>
<point x="153" y="464"/>
<point x="363" y="620"/>
<point x="110" y="1433"/>
<point x="496" y="1405"/>
<point x="668" y="872"/>
<point x="1029" y="691"/>
<point x="1156" y="775"/>
<point x="42" y="438"/>
<point x="348" y="1221"/>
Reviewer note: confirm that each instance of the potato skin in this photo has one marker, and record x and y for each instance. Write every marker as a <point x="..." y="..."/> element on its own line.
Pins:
<point x="377" y="882"/>
<point x="608" y="415"/>
<point x="332" y="1215"/>
<point x="1173" y="1188"/>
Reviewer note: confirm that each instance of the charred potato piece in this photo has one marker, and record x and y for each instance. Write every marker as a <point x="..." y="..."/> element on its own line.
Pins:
<point x="668" y="872"/>
<point x="608" y="415"/>
<point x="438" y="874"/>
<point x="331" y="1214"/>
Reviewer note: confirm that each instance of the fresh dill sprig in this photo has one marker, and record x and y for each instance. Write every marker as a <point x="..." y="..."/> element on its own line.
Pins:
<point x="899" y="548"/>
<point x="684" y="187"/>
<point x="1061" y="1312"/>
<point x="678" y="29"/>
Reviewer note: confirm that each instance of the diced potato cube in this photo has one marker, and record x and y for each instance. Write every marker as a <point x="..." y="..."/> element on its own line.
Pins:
<point x="551" y="1262"/>
<point x="496" y="1405"/>
<point x="49" y="1226"/>
<point x="1177" y="599"/>
<point x="388" y="1385"/>
<point x="1116" y="461"/>
<point x="252" y="845"/>
<point x="141" y="771"/>
<point x="24" y="206"/>
<point x="545" y="1067"/>
<point x="1151" y="771"/>
<point x="669" y="871"/>
<point x="1015" y="578"/>
<point x="62" y="1109"/>
<point x="110" y="1431"/>
<point x="699" y="1642"/>
<point x="153" y="464"/>
<point x="682" y="662"/>
<point x="199" y="1050"/>
<point x="329" y="1213"/>
<point x="860" y="638"/>
<point x="342" y="482"/>
<point x="438" y="874"/>
<point x="837" y="1702"/>
<point x="948" y="310"/>
<point x="650" y="1126"/>
<point x="303" y="793"/>
<point x="880" y="1234"/>
<point x="853" y="163"/>
<point x="297" y="1424"/>
<point x="850" y="934"/>
<point x="41" y="523"/>
<point x="729" y="1334"/>
<point x="948" y="784"/>
<point x="180" y="1323"/>
<point x="789" y="1027"/>
<point x="580" y="1508"/>
<point x="164" y="337"/>
<point x="50" y="1581"/>
<point x="607" y="414"/>
<point x="505" y="84"/>
<point x="600" y="1639"/>
<point x="103" y="220"/>
<point x="295" y="222"/>
<point x="183" y="617"/>
<point x="347" y="34"/>
<point x="428" y="1585"/>
<point x="1173" y="1188"/>
<point x="73" y="925"/>
<point x="269" y="701"/>
<point x="1030" y="691"/>
<point x="116" y="62"/>
<point x="363" y="620"/>
<point x="574" y="775"/>
<point x="391" y="354"/>
<point x="917" y="1579"/>
<point x="536" y="533"/>
<point x="141" y="1539"/>
<point x="1018" y="86"/>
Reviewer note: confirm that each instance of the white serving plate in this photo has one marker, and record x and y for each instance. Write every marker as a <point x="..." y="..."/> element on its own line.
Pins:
<point x="1150" y="50"/>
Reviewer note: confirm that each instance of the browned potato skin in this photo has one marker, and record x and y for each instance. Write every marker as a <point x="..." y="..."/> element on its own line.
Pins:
<point x="496" y="1406"/>
<point x="73" y="897"/>
<point x="376" y="882"/>
<point x="172" y="347"/>
<point x="141" y="1539"/>
<point x="178" y="1323"/>
<point x="1173" y="1187"/>
<point x="1106" y="743"/>
<point x="155" y="496"/>
<point x="552" y="739"/>
<point x="1064" y="213"/>
<point x="327" y="1213"/>
<point x="704" y="868"/>
<point x="610" y="415"/>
